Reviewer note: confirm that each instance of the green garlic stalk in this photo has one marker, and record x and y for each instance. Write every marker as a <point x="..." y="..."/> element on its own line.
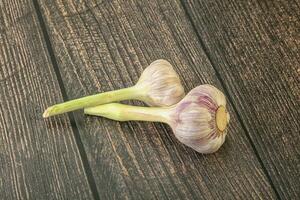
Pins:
<point x="199" y="120"/>
<point x="159" y="85"/>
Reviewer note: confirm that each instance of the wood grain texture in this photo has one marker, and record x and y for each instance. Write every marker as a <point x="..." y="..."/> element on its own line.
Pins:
<point x="105" y="45"/>
<point x="39" y="158"/>
<point x="254" y="46"/>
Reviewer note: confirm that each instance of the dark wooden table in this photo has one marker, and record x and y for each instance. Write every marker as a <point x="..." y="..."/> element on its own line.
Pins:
<point x="53" y="51"/>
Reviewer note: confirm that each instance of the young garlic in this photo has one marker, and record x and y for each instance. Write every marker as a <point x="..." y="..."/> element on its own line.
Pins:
<point x="159" y="85"/>
<point x="199" y="120"/>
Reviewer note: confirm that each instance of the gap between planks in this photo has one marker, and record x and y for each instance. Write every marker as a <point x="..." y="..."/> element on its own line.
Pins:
<point x="219" y="77"/>
<point x="74" y="127"/>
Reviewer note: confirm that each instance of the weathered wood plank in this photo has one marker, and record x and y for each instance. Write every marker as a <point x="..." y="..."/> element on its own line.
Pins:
<point x="254" y="46"/>
<point x="39" y="158"/>
<point x="105" y="45"/>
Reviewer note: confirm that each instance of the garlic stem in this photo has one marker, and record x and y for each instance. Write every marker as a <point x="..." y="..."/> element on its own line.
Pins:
<point x="122" y="112"/>
<point x="92" y="100"/>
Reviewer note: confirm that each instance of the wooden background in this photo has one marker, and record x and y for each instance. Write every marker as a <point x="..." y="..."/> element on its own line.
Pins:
<point x="53" y="51"/>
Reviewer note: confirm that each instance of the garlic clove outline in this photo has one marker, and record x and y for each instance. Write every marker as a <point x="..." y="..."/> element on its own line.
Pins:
<point x="159" y="85"/>
<point x="199" y="120"/>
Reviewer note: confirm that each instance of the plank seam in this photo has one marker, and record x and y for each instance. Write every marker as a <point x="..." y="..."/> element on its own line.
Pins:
<point x="226" y="91"/>
<point x="80" y="146"/>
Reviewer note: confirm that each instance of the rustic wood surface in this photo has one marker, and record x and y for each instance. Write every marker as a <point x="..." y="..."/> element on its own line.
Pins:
<point x="39" y="159"/>
<point x="254" y="46"/>
<point x="52" y="51"/>
<point x="106" y="46"/>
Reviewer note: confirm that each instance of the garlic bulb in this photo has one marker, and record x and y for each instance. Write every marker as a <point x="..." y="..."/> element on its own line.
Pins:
<point x="204" y="117"/>
<point x="159" y="85"/>
<point x="199" y="120"/>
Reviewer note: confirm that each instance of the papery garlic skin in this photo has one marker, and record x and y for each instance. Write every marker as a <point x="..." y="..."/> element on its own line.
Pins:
<point x="195" y="120"/>
<point x="161" y="84"/>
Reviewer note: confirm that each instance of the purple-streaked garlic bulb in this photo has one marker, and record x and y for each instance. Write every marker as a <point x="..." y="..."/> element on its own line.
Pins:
<point x="159" y="85"/>
<point x="199" y="120"/>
